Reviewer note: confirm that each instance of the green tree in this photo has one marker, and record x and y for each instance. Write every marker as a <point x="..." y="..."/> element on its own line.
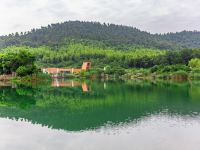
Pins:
<point x="194" y="63"/>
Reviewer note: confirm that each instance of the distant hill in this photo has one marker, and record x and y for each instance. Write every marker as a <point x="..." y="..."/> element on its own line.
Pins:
<point x="109" y="35"/>
<point x="188" y="39"/>
<point x="104" y="35"/>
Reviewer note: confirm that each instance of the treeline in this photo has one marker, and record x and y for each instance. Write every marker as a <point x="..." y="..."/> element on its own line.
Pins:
<point x="187" y="39"/>
<point x="170" y="58"/>
<point x="74" y="54"/>
<point x="20" y="62"/>
<point x="103" y="35"/>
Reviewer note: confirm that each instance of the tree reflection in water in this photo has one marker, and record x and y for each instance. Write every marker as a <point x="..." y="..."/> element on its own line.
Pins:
<point x="83" y="105"/>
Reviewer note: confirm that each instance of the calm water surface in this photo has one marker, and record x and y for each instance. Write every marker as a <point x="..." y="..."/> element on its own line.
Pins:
<point x="100" y="115"/>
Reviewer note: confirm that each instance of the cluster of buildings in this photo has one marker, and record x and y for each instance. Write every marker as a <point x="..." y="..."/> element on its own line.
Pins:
<point x="55" y="72"/>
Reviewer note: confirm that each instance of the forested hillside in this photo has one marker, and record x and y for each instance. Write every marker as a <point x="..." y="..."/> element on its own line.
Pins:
<point x="73" y="55"/>
<point x="187" y="39"/>
<point x="69" y="44"/>
<point x="101" y="35"/>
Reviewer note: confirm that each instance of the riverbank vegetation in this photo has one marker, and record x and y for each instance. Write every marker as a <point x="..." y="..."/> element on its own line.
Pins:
<point x="73" y="55"/>
<point x="20" y="62"/>
<point x="18" y="65"/>
<point x="115" y="51"/>
<point x="136" y="63"/>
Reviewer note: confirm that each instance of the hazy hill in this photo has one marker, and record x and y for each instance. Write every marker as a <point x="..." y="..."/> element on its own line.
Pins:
<point x="104" y="35"/>
<point x="188" y="39"/>
<point x="109" y="35"/>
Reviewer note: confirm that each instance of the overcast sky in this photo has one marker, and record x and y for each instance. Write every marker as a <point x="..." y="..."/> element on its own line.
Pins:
<point x="156" y="16"/>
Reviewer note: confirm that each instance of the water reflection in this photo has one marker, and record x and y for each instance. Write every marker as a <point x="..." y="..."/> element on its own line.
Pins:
<point x="69" y="107"/>
<point x="153" y="133"/>
<point x="69" y="83"/>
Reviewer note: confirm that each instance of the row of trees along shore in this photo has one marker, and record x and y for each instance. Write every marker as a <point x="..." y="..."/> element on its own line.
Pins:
<point x="25" y="60"/>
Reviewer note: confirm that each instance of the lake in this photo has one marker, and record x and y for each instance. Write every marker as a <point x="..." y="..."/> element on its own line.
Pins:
<point x="100" y="115"/>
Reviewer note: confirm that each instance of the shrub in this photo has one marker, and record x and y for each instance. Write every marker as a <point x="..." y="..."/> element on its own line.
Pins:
<point x="26" y="70"/>
<point x="166" y="69"/>
<point x="180" y="73"/>
<point x="22" y="71"/>
<point x="156" y="68"/>
<point x="194" y="63"/>
<point x="175" y="68"/>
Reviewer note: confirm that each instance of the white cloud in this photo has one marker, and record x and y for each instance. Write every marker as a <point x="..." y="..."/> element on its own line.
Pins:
<point x="150" y="15"/>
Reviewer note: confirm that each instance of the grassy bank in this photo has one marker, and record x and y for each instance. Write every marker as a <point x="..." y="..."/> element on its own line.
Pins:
<point x="173" y="72"/>
<point x="177" y="72"/>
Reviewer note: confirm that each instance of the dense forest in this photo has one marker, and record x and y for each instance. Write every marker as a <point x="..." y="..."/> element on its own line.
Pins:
<point x="73" y="55"/>
<point x="103" y="35"/>
<point x="108" y="61"/>
<point x="187" y="39"/>
<point x="111" y="48"/>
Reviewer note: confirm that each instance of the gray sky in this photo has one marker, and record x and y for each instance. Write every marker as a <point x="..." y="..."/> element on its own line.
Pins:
<point x="151" y="15"/>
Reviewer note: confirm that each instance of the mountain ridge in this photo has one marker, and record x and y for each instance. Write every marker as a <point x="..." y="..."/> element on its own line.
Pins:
<point x="106" y="35"/>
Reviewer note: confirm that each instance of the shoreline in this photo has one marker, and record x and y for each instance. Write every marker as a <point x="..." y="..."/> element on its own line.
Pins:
<point x="41" y="78"/>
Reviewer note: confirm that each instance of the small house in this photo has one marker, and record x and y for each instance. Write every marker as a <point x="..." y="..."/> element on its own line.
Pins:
<point x="55" y="72"/>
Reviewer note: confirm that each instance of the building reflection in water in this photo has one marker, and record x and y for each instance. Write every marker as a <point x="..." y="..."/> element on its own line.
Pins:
<point x="70" y="83"/>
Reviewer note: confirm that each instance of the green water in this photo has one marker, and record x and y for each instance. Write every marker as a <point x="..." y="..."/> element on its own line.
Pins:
<point x="101" y="115"/>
